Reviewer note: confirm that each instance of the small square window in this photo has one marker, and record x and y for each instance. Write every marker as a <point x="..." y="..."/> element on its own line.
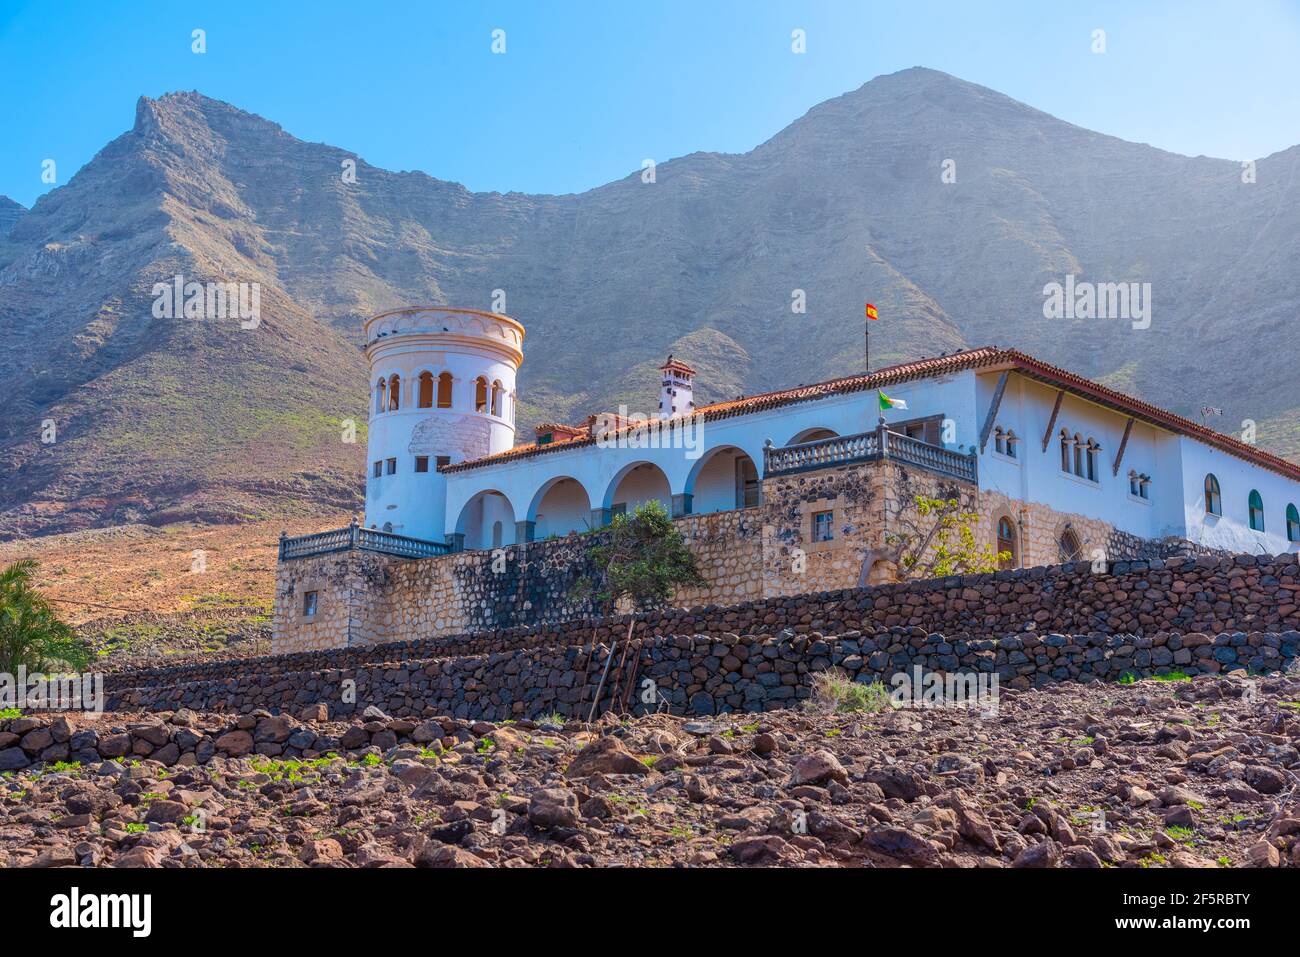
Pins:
<point x="308" y="604"/>
<point x="823" y="526"/>
<point x="392" y="466"/>
<point x="379" y="469"/>
<point x="442" y="460"/>
<point x="422" y="463"/>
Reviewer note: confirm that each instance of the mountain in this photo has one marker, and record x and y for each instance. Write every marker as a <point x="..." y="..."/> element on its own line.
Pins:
<point x="9" y="213"/>
<point x="158" y="419"/>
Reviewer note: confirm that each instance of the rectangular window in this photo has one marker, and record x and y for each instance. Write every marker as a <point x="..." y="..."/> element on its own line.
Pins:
<point x="422" y="463"/>
<point x="392" y="466"/>
<point x="308" y="604"/>
<point x="619" y="509"/>
<point x="379" y="469"/>
<point x="442" y="460"/>
<point x="823" y="526"/>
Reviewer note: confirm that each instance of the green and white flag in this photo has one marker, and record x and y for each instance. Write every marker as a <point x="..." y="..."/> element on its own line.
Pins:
<point x="887" y="403"/>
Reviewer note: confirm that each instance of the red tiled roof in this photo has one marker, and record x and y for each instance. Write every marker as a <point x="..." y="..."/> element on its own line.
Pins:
<point x="985" y="357"/>
<point x="677" y="365"/>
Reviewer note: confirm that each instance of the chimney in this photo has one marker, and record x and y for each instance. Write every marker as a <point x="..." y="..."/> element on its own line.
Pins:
<point x="676" y="393"/>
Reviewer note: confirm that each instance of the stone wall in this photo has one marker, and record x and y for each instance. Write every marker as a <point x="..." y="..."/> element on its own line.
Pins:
<point x="363" y="598"/>
<point x="1201" y="611"/>
<point x="707" y="674"/>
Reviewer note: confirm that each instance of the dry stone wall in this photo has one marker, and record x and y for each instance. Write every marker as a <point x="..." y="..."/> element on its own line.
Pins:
<point x="1067" y="622"/>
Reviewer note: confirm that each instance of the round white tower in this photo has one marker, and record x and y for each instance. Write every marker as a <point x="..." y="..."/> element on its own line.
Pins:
<point x="442" y="390"/>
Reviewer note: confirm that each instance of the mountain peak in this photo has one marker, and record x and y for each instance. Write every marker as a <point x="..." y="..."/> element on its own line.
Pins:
<point x="180" y="113"/>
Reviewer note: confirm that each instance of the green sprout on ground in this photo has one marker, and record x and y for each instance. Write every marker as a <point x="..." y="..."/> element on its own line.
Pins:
<point x="136" y="828"/>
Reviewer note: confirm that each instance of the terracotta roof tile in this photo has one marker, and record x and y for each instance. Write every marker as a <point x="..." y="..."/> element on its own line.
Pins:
<point x="984" y="357"/>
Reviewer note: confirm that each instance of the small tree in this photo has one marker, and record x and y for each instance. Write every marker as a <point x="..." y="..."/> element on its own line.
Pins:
<point x="939" y="540"/>
<point x="31" y="634"/>
<point x="641" y="559"/>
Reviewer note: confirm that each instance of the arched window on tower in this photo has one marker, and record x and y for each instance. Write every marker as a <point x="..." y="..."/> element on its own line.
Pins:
<point x="1065" y="451"/>
<point x="496" y="397"/>
<point x="381" y="395"/>
<point x="1292" y="524"/>
<point x="444" y="390"/>
<point x="425" y="400"/>
<point x="1078" y="454"/>
<point x="1255" y="505"/>
<point x="394" y="392"/>
<point x="1213" y="503"/>
<point x="480" y="394"/>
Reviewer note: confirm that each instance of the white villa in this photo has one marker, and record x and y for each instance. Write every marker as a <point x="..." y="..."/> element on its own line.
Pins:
<point x="1062" y="465"/>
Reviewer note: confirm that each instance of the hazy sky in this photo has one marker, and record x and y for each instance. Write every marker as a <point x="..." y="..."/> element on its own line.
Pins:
<point x="586" y="91"/>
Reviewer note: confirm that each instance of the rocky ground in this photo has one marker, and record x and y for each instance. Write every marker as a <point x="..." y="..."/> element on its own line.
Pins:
<point x="1199" y="773"/>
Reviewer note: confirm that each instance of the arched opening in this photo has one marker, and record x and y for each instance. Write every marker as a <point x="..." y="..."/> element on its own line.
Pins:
<point x="636" y="485"/>
<point x="394" y="392"/>
<point x="1292" y="524"/>
<point x="1255" y="505"/>
<point x="812" y="435"/>
<point x="480" y="394"/>
<point x="425" y="398"/>
<point x="444" y="390"/>
<point x="1065" y="451"/>
<point x="381" y="395"/>
<point x="724" y="479"/>
<point x="496" y="397"/>
<point x="1007" y="543"/>
<point x="1213" y="501"/>
<point x="1071" y="548"/>
<point x="560" y="506"/>
<point x="487" y="521"/>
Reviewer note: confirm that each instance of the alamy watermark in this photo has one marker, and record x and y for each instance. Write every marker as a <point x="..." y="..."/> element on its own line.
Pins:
<point x="1107" y="300"/>
<point x="180" y="299"/>
<point x="919" y="688"/>
<point x="624" y="431"/>
<point x="42" y="692"/>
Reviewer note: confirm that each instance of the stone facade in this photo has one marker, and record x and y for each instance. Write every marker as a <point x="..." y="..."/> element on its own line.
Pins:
<point x="776" y="548"/>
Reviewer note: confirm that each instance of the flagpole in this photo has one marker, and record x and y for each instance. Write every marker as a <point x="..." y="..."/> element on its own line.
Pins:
<point x="867" y="339"/>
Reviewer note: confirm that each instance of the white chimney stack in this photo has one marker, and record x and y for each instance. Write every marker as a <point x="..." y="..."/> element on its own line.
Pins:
<point x="676" y="393"/>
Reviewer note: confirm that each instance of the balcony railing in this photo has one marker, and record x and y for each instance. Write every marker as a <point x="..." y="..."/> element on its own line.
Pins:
<point x="868" y="447"/>
<point x="365" y="539"/>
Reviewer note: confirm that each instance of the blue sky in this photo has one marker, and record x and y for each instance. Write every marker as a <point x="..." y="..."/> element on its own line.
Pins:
<point x="586" y="91"/>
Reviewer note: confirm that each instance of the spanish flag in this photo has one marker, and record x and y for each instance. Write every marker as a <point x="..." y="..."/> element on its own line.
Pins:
<point x="871" y="312"/>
